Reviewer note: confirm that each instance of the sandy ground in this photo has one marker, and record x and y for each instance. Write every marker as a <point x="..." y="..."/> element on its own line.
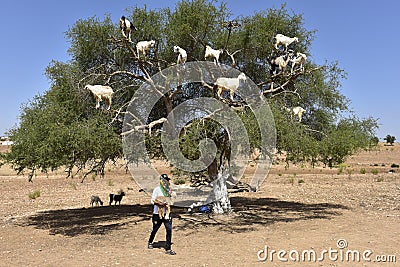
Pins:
<point x="297" y="212"/>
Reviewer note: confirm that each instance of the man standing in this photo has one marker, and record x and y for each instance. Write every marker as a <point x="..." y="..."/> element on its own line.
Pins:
<point x="162" y="190"/>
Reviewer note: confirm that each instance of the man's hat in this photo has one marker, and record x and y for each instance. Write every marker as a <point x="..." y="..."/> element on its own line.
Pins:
<point x="165" y="176"/>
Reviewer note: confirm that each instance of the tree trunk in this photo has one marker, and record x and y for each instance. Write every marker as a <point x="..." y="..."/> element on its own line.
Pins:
<point x="219" y="195"/>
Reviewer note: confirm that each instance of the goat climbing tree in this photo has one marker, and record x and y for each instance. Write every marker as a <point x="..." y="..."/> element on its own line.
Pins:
<point x="62" y="128"/>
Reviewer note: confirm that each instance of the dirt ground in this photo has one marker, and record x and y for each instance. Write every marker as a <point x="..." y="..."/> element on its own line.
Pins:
<point x="298" y="211"/>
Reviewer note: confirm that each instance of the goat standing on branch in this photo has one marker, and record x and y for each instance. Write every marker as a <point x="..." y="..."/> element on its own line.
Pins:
<point x="126" y="28"/>
<point x="280" y="62"/>
<point x="213" y="53"/>
<point x="300" y="60"/>
<point x="284" y="40"/>
<point x="143" y="46"/>
<point x="100" y="92"/>
<point x="182" y="57"/>
<point x="297" y="111"/>
<point x="229" y="84"/>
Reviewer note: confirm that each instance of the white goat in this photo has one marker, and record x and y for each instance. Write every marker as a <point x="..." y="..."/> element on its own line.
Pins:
<point x="213" y="53"/>
<point x="143" y="46"/>
<point x="126" y="27"/>
<point x="286" y="41"/>
<point x="297" y="111"/>
<point x="182" y="57"/>
<point x="100" y="92"/>
<point x="281" y="62"/>
<point x="300" y="59"/>
<point x="229" y="84"/>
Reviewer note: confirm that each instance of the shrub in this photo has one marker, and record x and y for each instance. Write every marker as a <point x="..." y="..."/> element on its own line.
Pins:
<point x="35" y="194"/>
<point x="342" y="166"/>
<point x="394" y="165"/>
<point x="374" y="171"/>
<point x="363" y="171"/>
<point x="179" y="181"/>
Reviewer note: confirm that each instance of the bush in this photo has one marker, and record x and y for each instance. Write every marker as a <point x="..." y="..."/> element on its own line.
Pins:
<point x="35" y="194"/>
<point x="394" y="165"/>
<point x="179" y="181"/>
<point x="374" y="171"/>
<point x="363" y="171"/>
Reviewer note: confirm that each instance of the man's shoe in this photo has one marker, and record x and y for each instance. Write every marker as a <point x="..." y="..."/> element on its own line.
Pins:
<point x="170" y="252"/>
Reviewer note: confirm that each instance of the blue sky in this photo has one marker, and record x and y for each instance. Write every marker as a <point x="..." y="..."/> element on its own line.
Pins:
<point x="362" y="35"/>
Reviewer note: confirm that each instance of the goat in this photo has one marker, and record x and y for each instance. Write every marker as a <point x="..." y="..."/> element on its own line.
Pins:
<point x="126" y="27"/>
<point x="286" y="41"/>
<point x="100" y="92"/>
<point x="213" y="53"/>
<point x="96" y="200"/>
<point x="300" y="59"/>
<point x="280" y="62"/>
<point x="167" y="203"/>
<point x="229" y="84"/>
<point x="117" y="197"/>
<point x="143" y="46"/>
<point x="297" y="111"/>
<point x="182" y="57"/>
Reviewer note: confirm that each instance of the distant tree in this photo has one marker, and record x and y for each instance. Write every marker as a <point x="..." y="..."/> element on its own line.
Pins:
<point x="390" y="139"/>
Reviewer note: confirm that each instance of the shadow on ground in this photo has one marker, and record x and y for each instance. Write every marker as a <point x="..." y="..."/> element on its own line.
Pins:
<point x="248" y="214"/>
<point x="95" y="220"/>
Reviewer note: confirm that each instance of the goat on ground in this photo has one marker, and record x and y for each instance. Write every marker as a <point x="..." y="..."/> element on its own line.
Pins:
<point x="96" y="200"/>
<point x="229" y="84"/>
<point x="100" y="92"/>
<point x="182" y="57"/>
<point x="300" y="60"/>
<point x="213" y="53"/>
<point x="143" y="46"/>
<point x="116" y="198"/>
<point x="284" y="40"/>
<point x="126" y="27"/>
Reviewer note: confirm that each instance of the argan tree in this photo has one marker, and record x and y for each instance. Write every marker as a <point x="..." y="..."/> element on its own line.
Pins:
<point x="390" y="139"/>
<point x="62" y="128"/>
